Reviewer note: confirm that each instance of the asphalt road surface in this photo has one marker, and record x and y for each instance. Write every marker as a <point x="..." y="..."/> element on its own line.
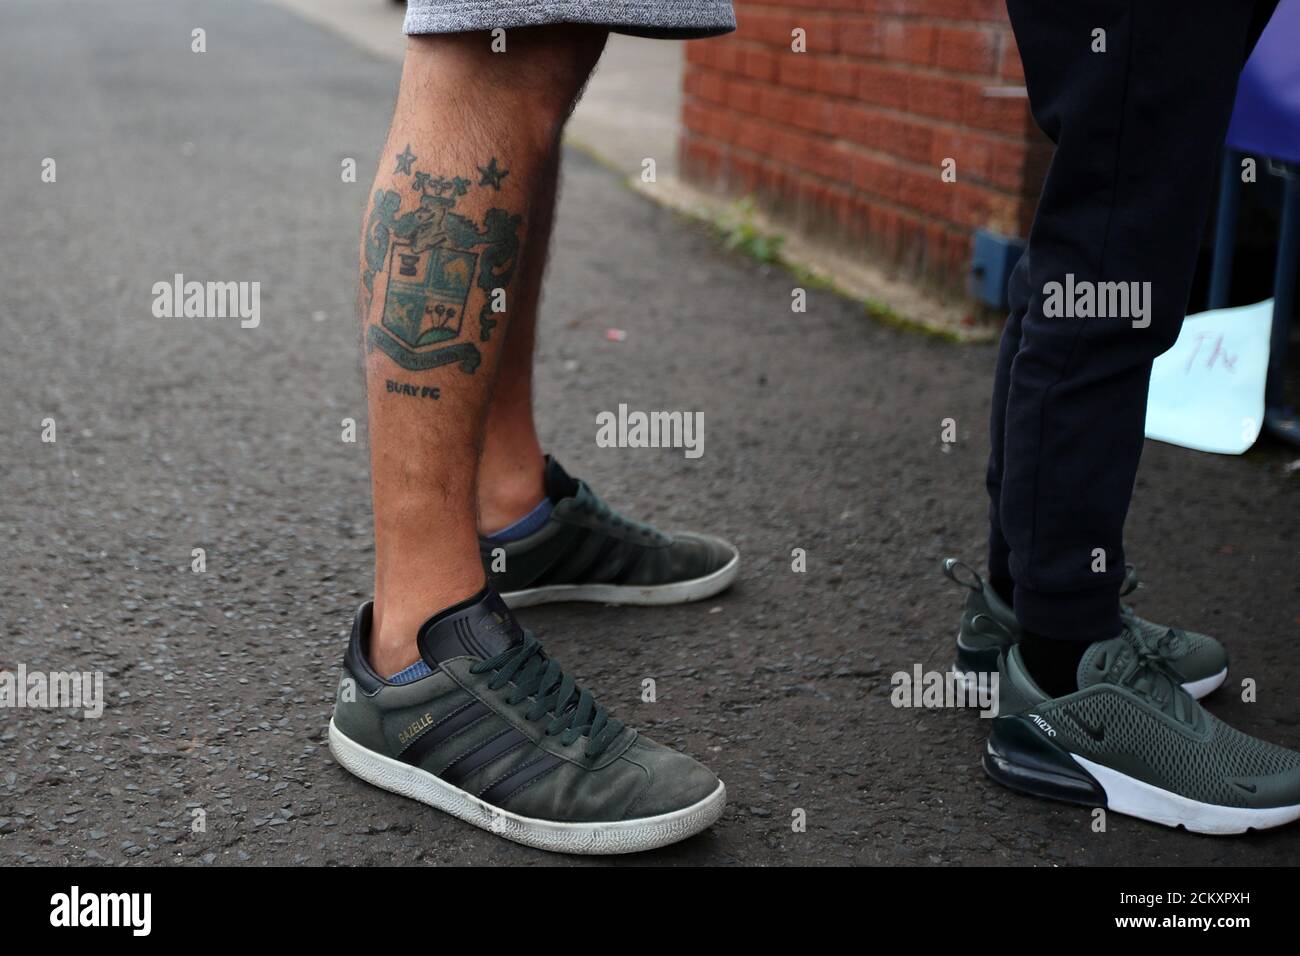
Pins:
<point x="823" y="433"/>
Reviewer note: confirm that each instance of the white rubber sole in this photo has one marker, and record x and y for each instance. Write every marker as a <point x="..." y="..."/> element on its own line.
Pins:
<point x="1197" y="688"/>
<point x="623" y="836"/>
<point x="1206" y="685"/>
<point x="679" y="592"/>
<point x="1126" y="795"/>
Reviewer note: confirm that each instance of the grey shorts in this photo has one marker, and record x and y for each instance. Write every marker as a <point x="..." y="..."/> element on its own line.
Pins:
<point x="665" y="19"/>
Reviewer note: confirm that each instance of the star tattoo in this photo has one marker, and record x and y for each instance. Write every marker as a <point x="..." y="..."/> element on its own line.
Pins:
<point x="492" y="175"/>
<point x="405" y="159"/>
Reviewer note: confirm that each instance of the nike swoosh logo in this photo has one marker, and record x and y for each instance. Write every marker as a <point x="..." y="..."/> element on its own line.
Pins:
<point x="1248" y="787"/>
<point x="1097" y="733"/>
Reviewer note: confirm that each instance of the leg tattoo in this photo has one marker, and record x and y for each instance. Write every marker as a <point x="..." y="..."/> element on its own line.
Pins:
<point x="428" y="260"/>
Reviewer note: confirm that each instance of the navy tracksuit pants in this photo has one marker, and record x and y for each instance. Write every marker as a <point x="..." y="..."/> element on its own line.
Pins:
<point x="1138" y="131"/>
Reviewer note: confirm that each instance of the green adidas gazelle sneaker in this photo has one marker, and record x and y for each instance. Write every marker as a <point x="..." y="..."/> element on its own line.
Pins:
<point x="989" y="627"/>
<point x="488" y="728"/>
<point x="587" y="552"/>
<point x="1133" y="741"/>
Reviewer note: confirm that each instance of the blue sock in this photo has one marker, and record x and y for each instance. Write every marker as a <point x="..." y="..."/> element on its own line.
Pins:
<point x="526" y="525"/>
<point x="519" y="529"/>
<point x="414" y="672"/>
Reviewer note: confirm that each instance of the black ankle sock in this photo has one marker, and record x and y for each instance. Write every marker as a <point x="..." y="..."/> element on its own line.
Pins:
<point x="1003" y="588"/>
<point x="1052" y="663"/>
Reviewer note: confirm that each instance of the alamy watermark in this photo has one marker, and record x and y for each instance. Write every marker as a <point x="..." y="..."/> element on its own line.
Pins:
<point x="1083" y="299"/>
<point x="179" y="299"/>
<point x="133" y="911"/>
<point x="636" y="429"/>
<point x="977" y="690"/>
<point x="53" y="690"/>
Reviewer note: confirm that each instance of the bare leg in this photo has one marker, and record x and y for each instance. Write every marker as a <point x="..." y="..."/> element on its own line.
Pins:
<point x="466" y="171"/>
<point x="510" y="475"/>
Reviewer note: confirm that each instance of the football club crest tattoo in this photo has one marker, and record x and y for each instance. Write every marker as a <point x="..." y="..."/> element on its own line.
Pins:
<point x="433" y="258"/>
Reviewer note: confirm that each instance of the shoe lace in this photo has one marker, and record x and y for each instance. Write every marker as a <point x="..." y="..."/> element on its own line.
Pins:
<point x="574" y="712"/>
<point x="1169" y="644"/>
<point x="1145" y="671"/>
<point x="1130" y="582"/>
<point x="603" y="513"/>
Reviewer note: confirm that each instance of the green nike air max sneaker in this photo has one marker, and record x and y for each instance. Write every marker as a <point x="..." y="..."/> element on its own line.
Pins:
<point x="586" y="552"/>
<point x="1132" y="740"/>
<point x="989" y="627"/>
<point x="488" y="728"/>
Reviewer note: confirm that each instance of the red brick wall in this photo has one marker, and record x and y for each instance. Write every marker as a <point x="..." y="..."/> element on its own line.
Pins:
<point x="847" y="139"/>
